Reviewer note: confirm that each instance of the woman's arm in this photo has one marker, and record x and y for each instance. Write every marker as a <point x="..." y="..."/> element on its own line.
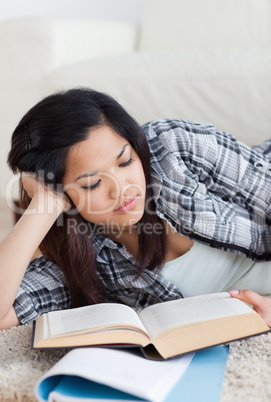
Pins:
<point x="10" y="320"/>
<point x="18" y="247"/>
<point x="261" y="304"/>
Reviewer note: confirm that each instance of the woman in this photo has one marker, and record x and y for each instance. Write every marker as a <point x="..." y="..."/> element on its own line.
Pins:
<point x="131" y="215"/>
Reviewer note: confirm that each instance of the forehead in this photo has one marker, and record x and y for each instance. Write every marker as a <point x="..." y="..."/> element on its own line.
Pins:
<point x="102" y="146"/>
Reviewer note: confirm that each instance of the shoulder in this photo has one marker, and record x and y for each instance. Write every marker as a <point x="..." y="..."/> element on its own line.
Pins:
<point x="161" y="126"/>
<point x="185" y="138"/>
<point x="190" y="138"/>
<point x="181" y="135"/>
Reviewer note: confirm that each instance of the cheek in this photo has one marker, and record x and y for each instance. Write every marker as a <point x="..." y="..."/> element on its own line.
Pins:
<point x="77" y="195"/>
<point x="96" y="210"/>
<point x="139" y="179"/>
<point x="93" y="203"/>
<point x="74" y="193"/>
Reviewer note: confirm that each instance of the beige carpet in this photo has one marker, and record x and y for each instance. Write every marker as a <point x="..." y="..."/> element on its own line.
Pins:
<point x="247" y="378"/>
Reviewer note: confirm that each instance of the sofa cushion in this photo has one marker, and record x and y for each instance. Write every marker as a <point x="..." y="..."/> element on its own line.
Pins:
<point x="31" y="47"/>
<point x="231" y="89"/>
<point x="187" y="24"/>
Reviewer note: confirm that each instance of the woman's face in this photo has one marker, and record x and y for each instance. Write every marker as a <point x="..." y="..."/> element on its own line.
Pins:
<point x="105" y="180"/>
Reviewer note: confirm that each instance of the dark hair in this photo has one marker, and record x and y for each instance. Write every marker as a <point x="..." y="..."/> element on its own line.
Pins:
<point x="41" y="142"/>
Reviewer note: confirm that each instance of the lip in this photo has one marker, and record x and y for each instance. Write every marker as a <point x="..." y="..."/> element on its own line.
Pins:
<point x="127" y="205"/>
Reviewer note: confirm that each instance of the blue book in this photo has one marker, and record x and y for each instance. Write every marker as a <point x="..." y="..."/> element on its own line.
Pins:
<point x="102" y="374"/>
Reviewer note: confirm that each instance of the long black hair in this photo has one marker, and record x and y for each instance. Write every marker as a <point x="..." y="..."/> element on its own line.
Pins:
<point x="41" y="143"/>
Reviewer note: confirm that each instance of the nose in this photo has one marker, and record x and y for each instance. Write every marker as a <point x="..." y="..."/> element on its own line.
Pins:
<point x="115" y="189"/>
<point x="115" y="194"/>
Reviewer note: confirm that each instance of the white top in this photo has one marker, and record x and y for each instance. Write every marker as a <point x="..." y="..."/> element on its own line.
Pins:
<point x="207" y="270"/>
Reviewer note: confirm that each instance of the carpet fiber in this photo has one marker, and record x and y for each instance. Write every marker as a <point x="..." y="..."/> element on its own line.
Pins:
<point x="247" y="377"/>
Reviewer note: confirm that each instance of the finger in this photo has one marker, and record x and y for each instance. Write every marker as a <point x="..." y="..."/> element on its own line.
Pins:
<point x="248" y="296"/>
<point x="27" y="174"/>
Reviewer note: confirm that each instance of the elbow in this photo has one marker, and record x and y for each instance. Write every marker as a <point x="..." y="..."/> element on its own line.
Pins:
<point x="9" y="320"/>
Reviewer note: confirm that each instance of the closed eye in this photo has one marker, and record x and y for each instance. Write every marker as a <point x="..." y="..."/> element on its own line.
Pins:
<point x="93" y="186"/>
<point x="126" y="163"/>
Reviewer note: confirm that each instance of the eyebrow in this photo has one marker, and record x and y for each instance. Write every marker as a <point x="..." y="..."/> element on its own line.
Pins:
<point x="122" y="151"/>
<point x="89" y="174"/>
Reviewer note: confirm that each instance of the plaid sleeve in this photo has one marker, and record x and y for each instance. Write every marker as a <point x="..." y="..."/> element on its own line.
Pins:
<point x="42" y="289"/>
<point x="264" y="148"/>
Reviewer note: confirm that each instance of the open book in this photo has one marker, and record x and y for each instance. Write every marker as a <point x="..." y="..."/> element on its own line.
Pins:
<point x="110" y="374"/>
<point x="170" y="328"/>
<point x="105" y="374"/>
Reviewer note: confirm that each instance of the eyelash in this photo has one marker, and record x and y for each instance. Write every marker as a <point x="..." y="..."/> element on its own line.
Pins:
<point x="93" y="186"/>
<point x="127" y="163"/>
<point x="97" y="184"/>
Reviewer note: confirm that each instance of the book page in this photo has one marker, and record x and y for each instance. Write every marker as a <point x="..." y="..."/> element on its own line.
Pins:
<point x="91" y="317"/>
<point x="163" y="316"/>
<point x="124" y="370"/>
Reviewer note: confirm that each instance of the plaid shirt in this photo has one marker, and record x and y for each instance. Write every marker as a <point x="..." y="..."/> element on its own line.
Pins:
<point x="206" y="185"/>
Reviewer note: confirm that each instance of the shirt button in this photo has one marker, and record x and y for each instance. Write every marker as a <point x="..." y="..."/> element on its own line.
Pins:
<point x="258" y="165"/>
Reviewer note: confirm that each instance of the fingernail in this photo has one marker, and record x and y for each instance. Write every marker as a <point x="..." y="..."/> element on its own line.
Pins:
<point x="234" y="292"/>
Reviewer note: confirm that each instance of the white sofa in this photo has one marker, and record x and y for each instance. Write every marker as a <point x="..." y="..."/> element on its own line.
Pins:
<point x="192" y="59"/>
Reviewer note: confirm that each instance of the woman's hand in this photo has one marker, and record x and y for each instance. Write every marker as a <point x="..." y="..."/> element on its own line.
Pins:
<point x="261" y="304"/>
<point x="34" y="187"/>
